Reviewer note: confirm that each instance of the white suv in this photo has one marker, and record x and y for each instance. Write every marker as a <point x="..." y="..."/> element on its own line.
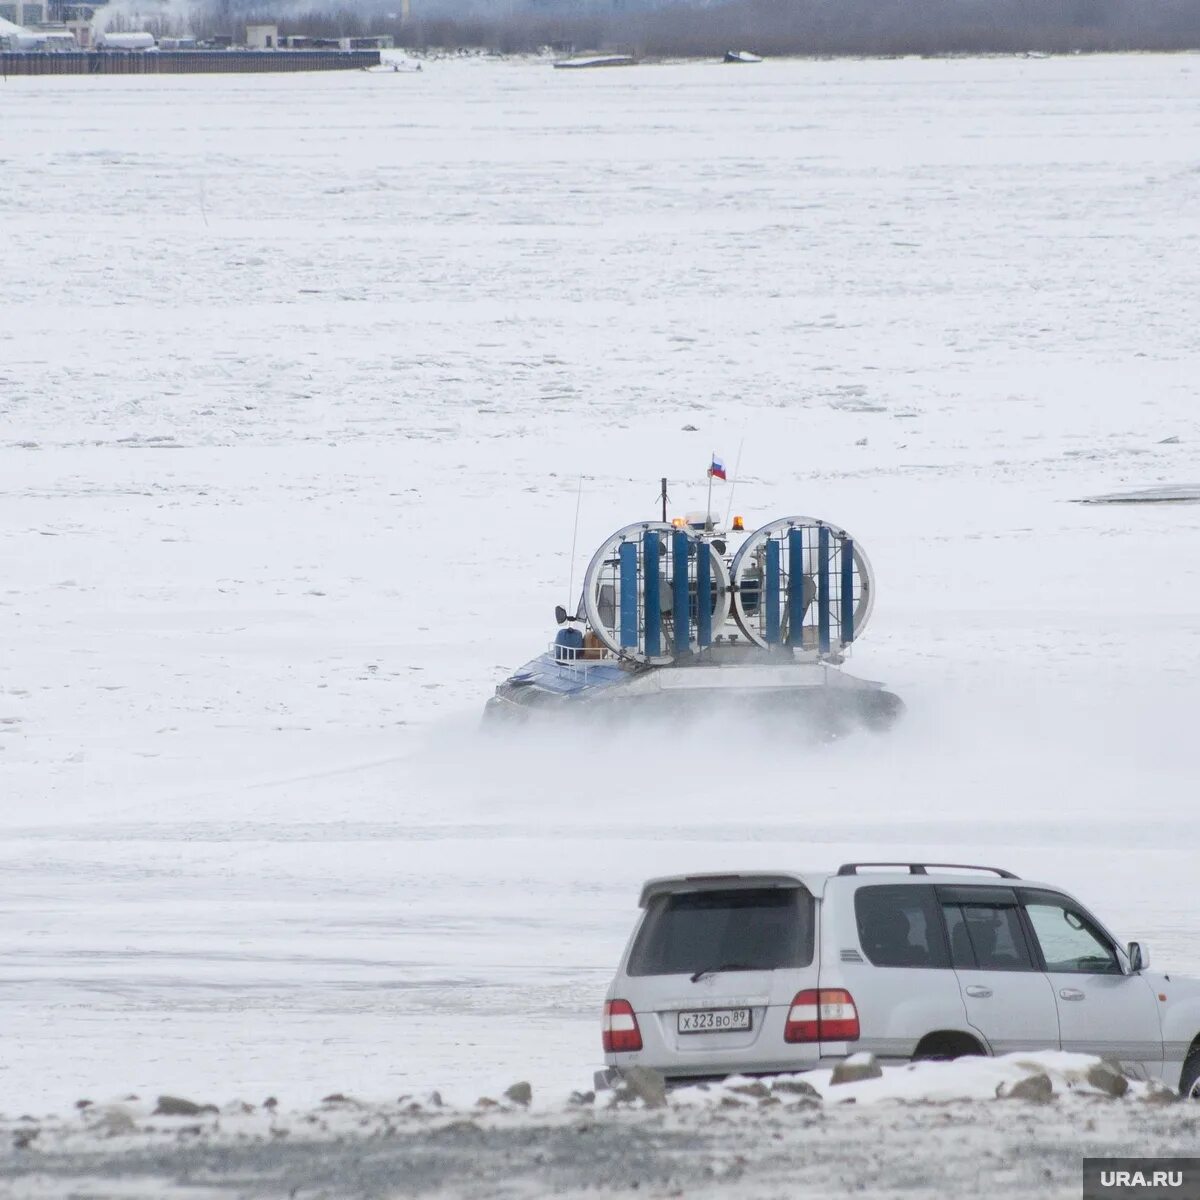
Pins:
<point x="760" y="972"/>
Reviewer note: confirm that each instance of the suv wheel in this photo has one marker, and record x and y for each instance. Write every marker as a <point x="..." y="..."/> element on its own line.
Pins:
<point x="1189" y="1083"/>
<point x="942" y="1047"/>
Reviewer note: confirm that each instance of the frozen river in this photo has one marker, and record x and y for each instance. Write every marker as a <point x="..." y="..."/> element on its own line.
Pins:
<point x="298" y="376"/>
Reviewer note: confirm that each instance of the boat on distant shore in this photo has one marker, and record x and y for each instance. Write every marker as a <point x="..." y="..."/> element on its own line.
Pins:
<point x="594" y="60"/>
<point x="741" y="56"/>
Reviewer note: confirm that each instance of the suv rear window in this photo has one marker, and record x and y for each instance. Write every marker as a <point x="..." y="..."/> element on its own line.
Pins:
<point x="747" y="929"/>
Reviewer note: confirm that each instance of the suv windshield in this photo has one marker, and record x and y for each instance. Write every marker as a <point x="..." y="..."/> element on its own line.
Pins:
<point x="743" y="929"/>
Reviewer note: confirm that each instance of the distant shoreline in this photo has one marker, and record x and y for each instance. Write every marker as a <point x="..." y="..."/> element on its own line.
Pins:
<point x="804" y="29"/>
<point x="799" y="29"/>
<point x="434" y="54"/>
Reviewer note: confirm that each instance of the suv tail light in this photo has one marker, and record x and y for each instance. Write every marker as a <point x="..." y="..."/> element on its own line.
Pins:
<point x="619" y="1031"/>
<point x="828" y="1015"/>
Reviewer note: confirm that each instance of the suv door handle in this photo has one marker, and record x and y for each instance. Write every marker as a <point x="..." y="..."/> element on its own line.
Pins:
<point x="978" y="991"/>
<point x="1072" y="994"/>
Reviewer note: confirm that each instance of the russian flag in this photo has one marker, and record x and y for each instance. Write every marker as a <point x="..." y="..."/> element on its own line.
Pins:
<point x="717" y="470"/>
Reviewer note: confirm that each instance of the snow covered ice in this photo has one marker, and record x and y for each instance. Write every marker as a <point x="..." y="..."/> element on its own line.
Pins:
<point x="298" y="376"/>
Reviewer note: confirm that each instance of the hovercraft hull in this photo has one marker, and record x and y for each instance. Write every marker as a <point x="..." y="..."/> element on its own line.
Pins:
<point x="819" y="693"/>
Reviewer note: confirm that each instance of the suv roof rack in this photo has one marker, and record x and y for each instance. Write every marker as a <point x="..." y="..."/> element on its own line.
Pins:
<point x="923" y="868"/>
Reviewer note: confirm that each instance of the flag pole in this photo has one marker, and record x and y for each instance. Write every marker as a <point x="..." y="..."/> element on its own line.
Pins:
<point x="708" y="521"/>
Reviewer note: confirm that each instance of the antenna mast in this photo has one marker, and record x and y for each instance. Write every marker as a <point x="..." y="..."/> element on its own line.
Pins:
<point x="709" y="523"/>
<point x="664" y="499"/>
<point x="737" y="468"/>
<point x="574" y="540"/>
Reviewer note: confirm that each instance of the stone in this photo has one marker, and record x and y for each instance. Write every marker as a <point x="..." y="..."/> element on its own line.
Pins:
<point x="82" y="1104"/>
<point x="757" y="1089"/>
<point x="520" y="1093"/>
<point x="581" y="1099"/>
<point x="1106" y="1078"/>
<point x="176" y="1106"/>
<point x="111" y="1122"/>
<point x="796" y="1087"/>
<point x="435" y="1100"/>
<point x="1037" y="1089"/>
<point x="461" y="1128"/>
<point x="857" y="1068"/>
<point x="336" y="1098"/>
<point x="1159" y="1093"/>
<point x="270" y="1103"/>
<point x="644" y="1084"/>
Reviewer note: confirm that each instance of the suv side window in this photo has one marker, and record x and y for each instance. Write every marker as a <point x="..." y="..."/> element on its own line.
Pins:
<point x="962" y="955"/>
<point x="984" y="927"/>
<point x="899" y="926"/>
<point x="1069" y="938"/>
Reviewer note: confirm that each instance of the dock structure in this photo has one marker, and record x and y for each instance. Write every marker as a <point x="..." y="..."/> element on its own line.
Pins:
<point x="184" y="62"/>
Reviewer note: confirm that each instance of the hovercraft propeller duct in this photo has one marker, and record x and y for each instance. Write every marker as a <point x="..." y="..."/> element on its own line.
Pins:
<point x="803" y="583"/>
<point x="655" y="592"/>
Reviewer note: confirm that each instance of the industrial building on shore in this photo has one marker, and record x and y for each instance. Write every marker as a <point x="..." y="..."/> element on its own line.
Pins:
<point x="64" y="26"/>
<point x="78" y="47"/>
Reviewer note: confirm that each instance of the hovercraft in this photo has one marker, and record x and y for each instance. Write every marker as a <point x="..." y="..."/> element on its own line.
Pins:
<point x="673" y="617"/>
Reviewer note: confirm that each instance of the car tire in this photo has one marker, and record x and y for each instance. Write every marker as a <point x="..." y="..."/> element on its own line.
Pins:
<point x="946" y="1048"/>
<point x="1189" y="1081"/>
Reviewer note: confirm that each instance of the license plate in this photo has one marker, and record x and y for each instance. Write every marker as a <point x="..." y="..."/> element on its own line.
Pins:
<point x="714" y="1020"/>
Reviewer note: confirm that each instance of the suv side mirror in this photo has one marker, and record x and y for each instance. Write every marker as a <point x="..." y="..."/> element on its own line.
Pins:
<point x="1139" y="958"/>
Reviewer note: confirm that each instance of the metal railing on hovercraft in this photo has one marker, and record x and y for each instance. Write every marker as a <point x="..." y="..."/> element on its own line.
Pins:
<point x="580" y="660"/>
